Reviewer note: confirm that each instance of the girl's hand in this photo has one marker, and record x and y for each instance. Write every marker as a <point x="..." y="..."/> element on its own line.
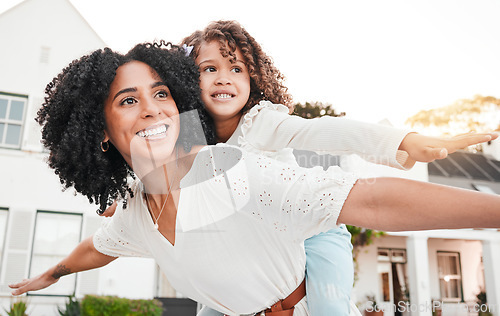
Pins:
<point x="426" y="149"/>
<point x="34" y="284"/>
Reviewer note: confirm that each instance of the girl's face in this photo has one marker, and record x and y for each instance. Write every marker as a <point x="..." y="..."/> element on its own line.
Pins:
<point x="225" y="86"/>
<point x="142" y="120"/>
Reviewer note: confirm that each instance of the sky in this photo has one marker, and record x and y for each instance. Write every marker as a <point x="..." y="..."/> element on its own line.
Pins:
<point x="374" y="60"/>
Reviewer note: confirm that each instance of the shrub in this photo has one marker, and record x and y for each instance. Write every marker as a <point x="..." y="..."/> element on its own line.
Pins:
<point x="72" y="308"/>
<point x="110" y="305"/>
<point x="17" y="309"/>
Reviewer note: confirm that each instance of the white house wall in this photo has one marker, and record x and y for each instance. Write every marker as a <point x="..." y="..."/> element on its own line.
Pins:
<point x="26" y="183"/>
<point x="53" y="26"/>
<point x="368" y="282"/>
<point x="33" y="25"/>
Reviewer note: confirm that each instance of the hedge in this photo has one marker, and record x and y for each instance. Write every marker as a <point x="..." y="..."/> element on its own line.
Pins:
<point x="92" y="305"/>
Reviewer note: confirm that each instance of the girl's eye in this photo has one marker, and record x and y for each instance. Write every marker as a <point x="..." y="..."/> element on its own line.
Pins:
<point x="128" y="101"/>
<point x="237" y="69"/>
<point x="209" y="69"/>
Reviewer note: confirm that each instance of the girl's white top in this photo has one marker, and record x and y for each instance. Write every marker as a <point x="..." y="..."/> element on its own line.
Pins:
<point x="269" y="130"/>
<point x="242" y="218"/>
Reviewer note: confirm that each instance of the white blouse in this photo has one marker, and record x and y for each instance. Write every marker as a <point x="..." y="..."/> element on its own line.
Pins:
<point x="241" y="222"/>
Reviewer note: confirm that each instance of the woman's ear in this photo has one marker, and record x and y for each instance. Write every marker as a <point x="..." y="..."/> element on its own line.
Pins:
<point x="106" y="137"/>
<point x="105" y="143"/>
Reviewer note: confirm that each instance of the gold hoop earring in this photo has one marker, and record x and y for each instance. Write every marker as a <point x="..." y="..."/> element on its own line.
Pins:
<point x="104" y="146"/>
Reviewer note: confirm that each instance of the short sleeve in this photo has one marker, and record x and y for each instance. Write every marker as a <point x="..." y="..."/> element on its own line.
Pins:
<point x="119" y="236"/>
<point x="298" y="202"/>
<point x="313" y="204"/>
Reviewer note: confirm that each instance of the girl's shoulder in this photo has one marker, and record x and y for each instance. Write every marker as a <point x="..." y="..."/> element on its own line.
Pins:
<point x="265" y="113"/>
<point x="265" y="105"/>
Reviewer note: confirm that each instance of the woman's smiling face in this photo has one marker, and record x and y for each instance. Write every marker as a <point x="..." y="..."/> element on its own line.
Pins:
<point x="142" y="120"/>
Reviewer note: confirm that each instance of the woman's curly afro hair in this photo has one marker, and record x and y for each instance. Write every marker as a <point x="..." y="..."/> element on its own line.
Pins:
<point x="266" y="81"/>
<point x="73" y="124"/>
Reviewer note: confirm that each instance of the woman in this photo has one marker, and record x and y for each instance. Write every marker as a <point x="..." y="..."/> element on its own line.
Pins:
<point x="226" y="227"/>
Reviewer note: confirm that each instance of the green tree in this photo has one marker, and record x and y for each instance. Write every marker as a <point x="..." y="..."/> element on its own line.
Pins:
<point x="315" y="109"/>
<point x="480" y="114"/>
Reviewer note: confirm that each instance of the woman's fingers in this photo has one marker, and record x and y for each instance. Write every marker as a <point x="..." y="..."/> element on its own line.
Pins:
<point x="18" y="285"/>
<point x="20" y="288"/>
<point x="33" y="284"/>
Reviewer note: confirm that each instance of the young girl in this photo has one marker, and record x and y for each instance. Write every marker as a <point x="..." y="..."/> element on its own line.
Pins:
<point x="244" y="94"/>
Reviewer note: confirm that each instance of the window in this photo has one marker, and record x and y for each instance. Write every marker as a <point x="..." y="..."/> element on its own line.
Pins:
<point x="3" y="229"/>
<point x="392" y="255"/>
<point x="56" y="234"/>
<point x="12" y="111"/>
<point x="450" y="276"/>
<point x="44" y="54"/>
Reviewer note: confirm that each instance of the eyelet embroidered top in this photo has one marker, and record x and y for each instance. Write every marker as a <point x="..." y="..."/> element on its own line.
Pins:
<point x="241" y="223"/>
<point x="269" y="130"/>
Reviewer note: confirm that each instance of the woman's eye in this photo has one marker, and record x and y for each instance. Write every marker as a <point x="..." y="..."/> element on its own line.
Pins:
<point x="127" y="101"/>
<point x="237" y="69"/>
<point x="162" y="94"/>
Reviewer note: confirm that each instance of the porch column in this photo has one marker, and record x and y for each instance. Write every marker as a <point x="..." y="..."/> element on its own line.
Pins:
<point x="491" y="263"/>
<point x="418" y="275"/>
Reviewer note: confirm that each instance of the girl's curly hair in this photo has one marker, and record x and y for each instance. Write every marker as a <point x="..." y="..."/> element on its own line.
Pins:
<point x="73" y="124"/>
<point x="266" y="81"/>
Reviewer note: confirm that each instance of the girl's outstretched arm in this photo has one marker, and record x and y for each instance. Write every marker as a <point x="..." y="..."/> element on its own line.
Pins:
<point x="271" y="129"/>
<point x="83" y="257"/>
<point x="394" y="204"/>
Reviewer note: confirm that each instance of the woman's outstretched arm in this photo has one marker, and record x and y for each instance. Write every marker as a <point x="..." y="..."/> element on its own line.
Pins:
<point x="83" y="257"/>
<point x="394" y="204"/>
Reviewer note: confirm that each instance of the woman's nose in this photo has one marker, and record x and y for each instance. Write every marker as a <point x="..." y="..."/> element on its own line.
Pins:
<point x="150" y="108"/>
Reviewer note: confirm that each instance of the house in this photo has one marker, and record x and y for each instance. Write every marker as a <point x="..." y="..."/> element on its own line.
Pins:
<point x="39" y="224"/>
<point x="449" y="267"/>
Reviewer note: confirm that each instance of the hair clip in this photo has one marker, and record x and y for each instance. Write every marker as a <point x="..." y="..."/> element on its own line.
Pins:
<point x="187" y="49"/>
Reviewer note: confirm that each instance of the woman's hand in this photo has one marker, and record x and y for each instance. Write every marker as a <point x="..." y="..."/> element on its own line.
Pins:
<point x="84" y="257"/>
<point x="426" y="149"/>
<point x="34" y="284"/>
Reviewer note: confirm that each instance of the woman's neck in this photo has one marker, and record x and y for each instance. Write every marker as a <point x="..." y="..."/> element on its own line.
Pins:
<point x="159" y="183"/>
<point x="167" y="177"/>
<point x="225" y="128"/>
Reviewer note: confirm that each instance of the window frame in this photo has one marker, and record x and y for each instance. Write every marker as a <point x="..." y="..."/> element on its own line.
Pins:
<point x="2" y="245"/>
<point x="459" y="276"/>
<point x="7" y="121"/>
<point x="75" y="286"/>
<point x="390" y="256"/>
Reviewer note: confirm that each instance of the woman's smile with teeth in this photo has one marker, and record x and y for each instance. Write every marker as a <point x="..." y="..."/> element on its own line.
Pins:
<point x="153" y="131"/>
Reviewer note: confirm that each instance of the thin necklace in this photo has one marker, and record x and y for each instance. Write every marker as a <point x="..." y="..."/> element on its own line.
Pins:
<point x="168" y="193"/>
